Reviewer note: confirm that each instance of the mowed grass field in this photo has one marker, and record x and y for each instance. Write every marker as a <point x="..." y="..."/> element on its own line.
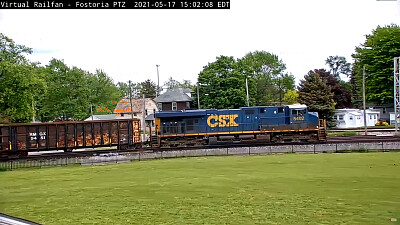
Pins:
<point x="354" y="188"/>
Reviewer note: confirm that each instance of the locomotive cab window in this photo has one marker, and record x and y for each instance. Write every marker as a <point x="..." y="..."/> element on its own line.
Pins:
<point x="298" y="112"/>
<point x="249" y="111"/>
<point x="262" y="110"/>
<point x="281" y="110"/>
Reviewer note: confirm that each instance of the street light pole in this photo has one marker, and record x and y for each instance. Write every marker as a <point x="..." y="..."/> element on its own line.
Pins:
<point x="247" y="94"/>
<point x="198" y="96"/>
<point x="130" y="97"/>
<point x="158" y="81"/>
<point x="364" y="105"/>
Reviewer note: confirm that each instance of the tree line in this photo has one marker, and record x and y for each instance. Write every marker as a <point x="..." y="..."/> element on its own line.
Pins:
<point x="30" y="91"/>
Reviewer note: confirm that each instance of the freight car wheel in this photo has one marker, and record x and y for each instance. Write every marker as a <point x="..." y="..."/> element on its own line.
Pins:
<point x="22" y="153"/>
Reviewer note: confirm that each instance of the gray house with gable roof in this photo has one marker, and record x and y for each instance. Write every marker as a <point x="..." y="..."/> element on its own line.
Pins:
<point x="175" y="99"/>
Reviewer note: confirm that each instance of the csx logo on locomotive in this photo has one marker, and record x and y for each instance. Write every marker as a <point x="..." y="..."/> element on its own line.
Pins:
<point x="222" y="120"/>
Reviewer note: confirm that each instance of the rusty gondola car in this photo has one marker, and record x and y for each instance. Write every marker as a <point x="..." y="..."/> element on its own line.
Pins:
<point x="19" y="139"/>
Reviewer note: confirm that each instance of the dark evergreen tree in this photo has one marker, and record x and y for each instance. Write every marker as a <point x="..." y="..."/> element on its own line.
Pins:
<point x="148" y="89"/>
<point x="317" y="95"/>
<point x="341" y="94"/>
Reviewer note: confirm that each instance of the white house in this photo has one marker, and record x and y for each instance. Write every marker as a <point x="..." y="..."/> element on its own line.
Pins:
<point x="351" y="118"/>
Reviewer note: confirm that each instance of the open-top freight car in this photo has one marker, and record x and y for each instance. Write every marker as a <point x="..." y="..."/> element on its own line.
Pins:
<point x="19" y="139"/>
<point x="276" y="124"/>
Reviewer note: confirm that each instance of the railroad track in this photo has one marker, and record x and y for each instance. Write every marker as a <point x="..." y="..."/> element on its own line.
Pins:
<point x="361" y="138"/>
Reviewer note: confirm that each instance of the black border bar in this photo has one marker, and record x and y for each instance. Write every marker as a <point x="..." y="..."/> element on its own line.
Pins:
<point x="114" y="4"/>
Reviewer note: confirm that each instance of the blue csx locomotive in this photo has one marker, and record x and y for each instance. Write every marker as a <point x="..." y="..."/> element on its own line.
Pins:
<point x="276" y="124"/>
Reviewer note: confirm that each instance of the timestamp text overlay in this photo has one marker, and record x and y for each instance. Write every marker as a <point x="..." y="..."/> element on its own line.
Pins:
<point x="114" y="4"/>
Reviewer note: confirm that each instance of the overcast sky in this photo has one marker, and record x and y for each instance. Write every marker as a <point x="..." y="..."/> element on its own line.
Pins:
<point x="127" y="44"/>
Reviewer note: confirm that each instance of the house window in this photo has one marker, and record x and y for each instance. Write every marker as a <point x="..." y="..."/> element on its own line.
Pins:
<point x="351" y="117"/>
<point x="370" y="117"/>
<point x="358" y="117"/>
<point x="188" y="105"/>
<point x="146" y="112"/>
<point x="384" y="110"/>
<point x="135" y="114"/>
<point x="340" y="117"/>
<point x="174" y="106"/>
<point x="154" y="111"/>
<point x="374" y="117"/>
<point x="159" y="106"/>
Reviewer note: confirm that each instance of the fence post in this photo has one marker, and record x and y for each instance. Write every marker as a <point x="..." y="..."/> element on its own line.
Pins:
<point x="11" y="164"/>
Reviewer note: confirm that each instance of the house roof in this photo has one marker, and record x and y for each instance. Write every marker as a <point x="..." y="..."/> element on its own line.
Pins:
<point x="124" y="106"/>
<point x="357" y="112"/>
<point x="103" y="117"/>
<point x="149" y="117"/>
<point x="174" y="95"/>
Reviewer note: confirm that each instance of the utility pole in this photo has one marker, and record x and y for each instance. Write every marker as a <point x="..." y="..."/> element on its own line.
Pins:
<point x="130" y="97"/>
<point x="198" y="96"/>
<point x="396" y="79"/>
<point x="247" y="94"/>
<point x="144" y="118"/>
<point x="91" y="111"/>
<point x="158" y="82"/>
<point x="33" y="116"/>
<point x="365" y="115"/>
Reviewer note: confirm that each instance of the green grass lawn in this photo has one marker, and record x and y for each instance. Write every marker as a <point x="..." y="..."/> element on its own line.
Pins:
<point x="357" y="188"/>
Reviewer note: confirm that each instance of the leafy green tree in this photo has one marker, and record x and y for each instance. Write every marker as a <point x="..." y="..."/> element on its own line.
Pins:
<point x="291" y="97"/>
<point x="20" y="89"/>
<point x="103" y="92"/>
<point x="316" y="94"/>
<point x="377" y="54"/>
<point x="222" y="84"/>
<point x="12" y="52"/>
<point x="188" y="84"/>
<point x="338" y="65"/>
<point x="124" y="89"/>
<point x="171" y="83"/>
<point x="21" y="85"/>
<point x="267" y="71"/>
<point x="68" y="96"/>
